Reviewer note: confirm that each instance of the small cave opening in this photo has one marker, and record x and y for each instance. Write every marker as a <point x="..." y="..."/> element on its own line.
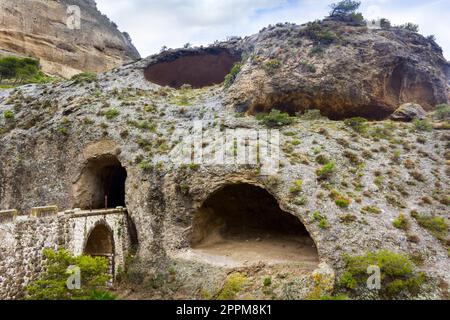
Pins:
<point x="243" y="224"/>
<point x="297" y="104"/>
<point x="197" y="69"/>
<point x="100" y="243"/>
<point x="102" y="184"/>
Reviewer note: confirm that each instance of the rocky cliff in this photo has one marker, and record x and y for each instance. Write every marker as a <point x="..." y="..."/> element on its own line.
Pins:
<point x="340" y="69"/>
<point x="38" y="28"/>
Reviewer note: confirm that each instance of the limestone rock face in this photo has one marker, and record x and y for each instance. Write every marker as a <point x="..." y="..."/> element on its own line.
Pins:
<point x="341" y="70"/>
<point x="409" y="112"/>
<point x="38" y="28"/>
<point x="56" y="140"/>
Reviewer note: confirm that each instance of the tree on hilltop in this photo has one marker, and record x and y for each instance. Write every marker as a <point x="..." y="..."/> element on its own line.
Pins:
<point x="344" y="8"/>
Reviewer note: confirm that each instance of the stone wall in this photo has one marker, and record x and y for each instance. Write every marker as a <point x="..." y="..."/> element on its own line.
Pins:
<point x="24" y="238"/>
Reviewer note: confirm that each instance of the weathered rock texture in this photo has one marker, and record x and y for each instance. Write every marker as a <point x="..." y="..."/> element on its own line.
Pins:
<point x="37" y="28"/>
<point x="359" y="72"/>
<point x="58" y="130"/>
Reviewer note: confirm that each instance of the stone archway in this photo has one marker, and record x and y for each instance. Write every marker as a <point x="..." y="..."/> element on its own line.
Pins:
<point x="101" y="184"/>
<point x="244" y="223"/>
<point x="100" y="243"/>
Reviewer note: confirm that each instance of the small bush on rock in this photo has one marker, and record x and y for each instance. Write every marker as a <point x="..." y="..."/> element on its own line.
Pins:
<point x="442" y="111"/>
<point x="275" y="118"/>
<point x="231" y="77"/>
<point x="398" y="274"/>
<point x="326" y="171"/>
<point x="84" y="77"/>
<point x="358" y="124"/>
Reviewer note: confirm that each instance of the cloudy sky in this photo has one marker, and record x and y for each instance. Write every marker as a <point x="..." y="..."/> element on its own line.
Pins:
<point x="155" y="23"/>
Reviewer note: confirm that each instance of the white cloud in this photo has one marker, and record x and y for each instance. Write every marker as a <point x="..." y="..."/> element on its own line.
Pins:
<point x="154" y="23"/>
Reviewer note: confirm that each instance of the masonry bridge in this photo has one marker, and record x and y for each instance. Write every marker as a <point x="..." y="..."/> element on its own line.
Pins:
<point x="102" y="232"/>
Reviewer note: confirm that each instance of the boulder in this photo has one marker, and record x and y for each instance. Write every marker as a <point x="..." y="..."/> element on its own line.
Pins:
<point x="409" y="112"/>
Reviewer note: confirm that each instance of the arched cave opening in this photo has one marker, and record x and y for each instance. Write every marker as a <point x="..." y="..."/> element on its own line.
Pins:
<point x="100" y="243"/>
<point x="243" y="223"/>
<point x="197" y="69"/>
<point x="102" y="184"/>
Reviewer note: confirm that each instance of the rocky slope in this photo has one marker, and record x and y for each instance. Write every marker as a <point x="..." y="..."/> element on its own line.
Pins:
<point x="381" y="170"/>
<point x="37" y="28"/>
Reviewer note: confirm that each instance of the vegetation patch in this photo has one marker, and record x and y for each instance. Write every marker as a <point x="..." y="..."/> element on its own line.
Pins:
<point x="111" y="113"/>
<point x="84" y="77"/>
<point x="437" y="226"/>
<point x="272" y="66"/>
<point x="275" y="118"/>
<point x="371" y="209"/>
<point x="357" y="124"/>
<point x="423" y="125"/>
<point x="398" y="274"/>
<point x="52" y="285"/>
<point x="326" y="171"/>
<point x="234" y="284"/>
<point x="401" y="222"/>
<point x="232" y="75"/>
<point x="321" y="220"/>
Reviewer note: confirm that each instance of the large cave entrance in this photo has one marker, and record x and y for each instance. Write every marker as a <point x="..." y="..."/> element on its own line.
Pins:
<point x="100" y="243"/>
<point x="198" y="69"/>
<point x="243" y="224"/>
<point x="102" y="184"/>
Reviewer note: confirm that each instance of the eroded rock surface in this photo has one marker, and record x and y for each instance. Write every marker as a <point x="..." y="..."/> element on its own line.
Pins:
<point x="55" y="133"/>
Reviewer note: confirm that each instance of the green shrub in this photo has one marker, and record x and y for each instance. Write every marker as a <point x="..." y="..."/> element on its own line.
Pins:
<point x="322" y="220"/>
<point x="51" y="285"/>
<point x="267" y="282"/>
<point x="436" y="225"/>
<point x="344" y="8"/>
<point x="358" y="124"/>
<point x="275" y="118"/>
<point x="111" y="113"/>
<point x="297" y="187"/>
<point x="342" y="202"/>
<point x="308" y="66"/>
<point x="317" y="49"/>
<point x="422" y="125"/>
<point x="409" y="26"/>
<point x="319" y="34"/>
<point x="397" y="273"/>
<point x="146" y="166"/>
<point x="335" y="298"/>
<point x="371" y="209"/>
<point x="326" y="171"/>
<point x="442" y="111"/>
<point x="8" y="114"/>
<point x="233" y="285"/>
<point x="312" y="114"/>
<point x="401" y="222"/>
<point x="232" y="75"/>
<point x="84" y="77"/>
<point x="22" y="70"/>
<point x="272" y="66"/>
